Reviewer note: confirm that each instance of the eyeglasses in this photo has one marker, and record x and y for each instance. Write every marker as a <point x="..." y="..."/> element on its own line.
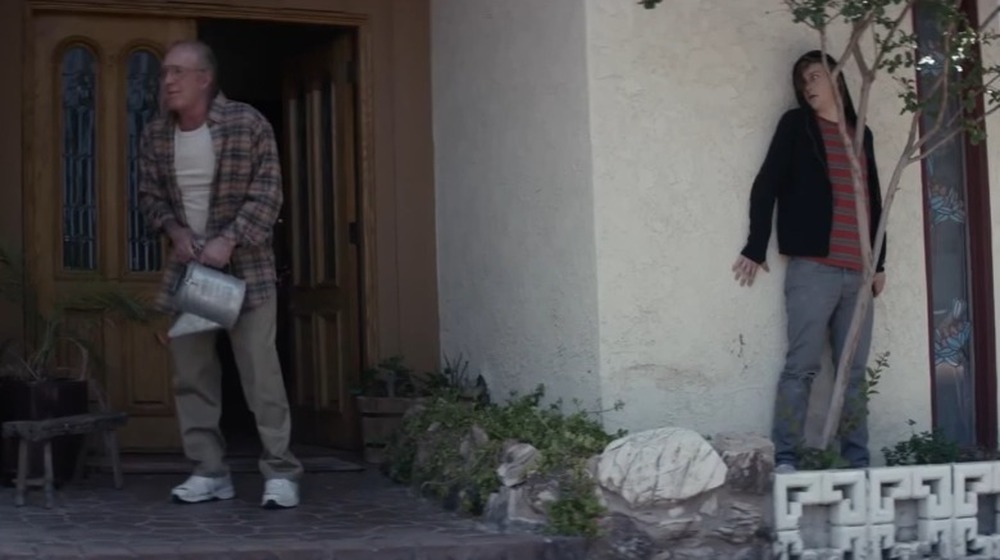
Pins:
<point x="177" y="71"/>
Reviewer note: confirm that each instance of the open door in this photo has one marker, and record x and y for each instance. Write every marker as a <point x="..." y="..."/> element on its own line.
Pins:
<point x="320" y="268"/>
<point x="95" y="83"/>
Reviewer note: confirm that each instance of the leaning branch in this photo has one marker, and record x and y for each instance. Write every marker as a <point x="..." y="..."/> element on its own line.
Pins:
<point x="954" y="131"/>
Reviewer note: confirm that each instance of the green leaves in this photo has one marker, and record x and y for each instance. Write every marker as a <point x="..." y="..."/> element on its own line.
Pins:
<point x="924" y="448"/>
<point x="427" y="452"/>
<point x="71" y="319"/>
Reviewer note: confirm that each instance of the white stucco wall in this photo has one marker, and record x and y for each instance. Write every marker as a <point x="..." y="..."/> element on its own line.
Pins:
<point x="992" y="57"/>
<point x="594" y="161"/>
<point x="517" y="276"/>
<point x="684" y="100"/>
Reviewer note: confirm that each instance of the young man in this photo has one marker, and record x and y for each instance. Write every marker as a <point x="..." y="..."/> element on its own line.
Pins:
<point x="807" y="173"/>
<point x="209" y="178"/>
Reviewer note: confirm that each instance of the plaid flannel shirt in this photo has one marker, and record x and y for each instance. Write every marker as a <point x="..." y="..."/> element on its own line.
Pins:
<point x="246" y="193"/>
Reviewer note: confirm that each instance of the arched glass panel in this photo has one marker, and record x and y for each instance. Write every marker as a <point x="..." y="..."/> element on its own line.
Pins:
<point x="79" y="197"/>
<point x="141" y="94"/>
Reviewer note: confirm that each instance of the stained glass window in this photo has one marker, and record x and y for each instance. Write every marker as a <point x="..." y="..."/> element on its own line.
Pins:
<point x="948" y="255"/>
<point x="79" y="204"/>
<point x="141" y="94"/>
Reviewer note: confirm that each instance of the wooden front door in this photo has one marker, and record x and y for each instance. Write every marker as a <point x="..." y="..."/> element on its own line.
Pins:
<point x="94" y="85"/>
<point x="322" y="264"/>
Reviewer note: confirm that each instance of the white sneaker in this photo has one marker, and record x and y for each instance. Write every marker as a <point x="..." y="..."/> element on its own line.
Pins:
<point x="280" y="493"/>
<point x="198" y="489"/>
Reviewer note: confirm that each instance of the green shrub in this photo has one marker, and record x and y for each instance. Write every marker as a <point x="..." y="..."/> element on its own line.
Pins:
<point x="462" y="473"/>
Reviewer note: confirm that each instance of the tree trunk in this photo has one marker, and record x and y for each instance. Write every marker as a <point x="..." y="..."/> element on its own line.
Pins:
<point x="843" y="374"/>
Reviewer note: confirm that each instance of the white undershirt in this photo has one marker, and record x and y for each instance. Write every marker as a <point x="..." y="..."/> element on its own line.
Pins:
<point x="194" y="165"/>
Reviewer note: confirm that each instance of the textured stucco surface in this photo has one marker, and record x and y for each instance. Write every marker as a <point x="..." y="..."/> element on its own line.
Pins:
<point x="517" y="276"/>
<point x="992" y="56"/>
<point x="593" y="174"/>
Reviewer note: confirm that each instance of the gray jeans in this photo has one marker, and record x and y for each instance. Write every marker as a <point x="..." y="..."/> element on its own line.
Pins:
<point x="819" y="301"/>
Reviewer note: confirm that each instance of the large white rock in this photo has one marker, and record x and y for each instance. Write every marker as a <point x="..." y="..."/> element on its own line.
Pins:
<point x="660" y="466"/>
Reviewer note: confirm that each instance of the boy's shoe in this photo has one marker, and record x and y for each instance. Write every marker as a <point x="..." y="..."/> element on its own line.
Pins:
<point x="785" y="468"/>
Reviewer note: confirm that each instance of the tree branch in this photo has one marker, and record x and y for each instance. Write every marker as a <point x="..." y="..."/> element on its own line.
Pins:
<point x="953" y="132"/>
<point x="893" y="29"/>
<point x="988" y="19"/>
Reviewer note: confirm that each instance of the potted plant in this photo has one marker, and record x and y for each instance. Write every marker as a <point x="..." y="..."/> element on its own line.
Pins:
<point x="386" y="393"/>
<point x="36" y="383"/>
<point x="391" y="389"/>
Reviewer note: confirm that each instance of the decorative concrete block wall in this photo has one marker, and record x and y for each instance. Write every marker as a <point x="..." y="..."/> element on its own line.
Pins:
<point x="927" y="511"/>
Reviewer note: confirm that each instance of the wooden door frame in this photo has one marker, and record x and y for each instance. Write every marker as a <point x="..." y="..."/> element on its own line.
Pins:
<point x="368" y="287"/>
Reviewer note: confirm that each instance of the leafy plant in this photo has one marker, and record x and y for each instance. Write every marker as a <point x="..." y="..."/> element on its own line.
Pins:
<point x="393" y="378"/>
<point x="50" y="328"/>
<point x="455" y="379"/>
<point x="435" y="451"/>
<point x="817" y="458"/>
<point x="924" y="448"/>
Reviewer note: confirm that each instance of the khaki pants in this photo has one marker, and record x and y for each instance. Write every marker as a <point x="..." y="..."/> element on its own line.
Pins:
<point x="198" y="394"/>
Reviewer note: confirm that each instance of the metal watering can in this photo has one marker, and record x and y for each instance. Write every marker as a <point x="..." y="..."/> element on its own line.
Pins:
<point x="208" y="299"/>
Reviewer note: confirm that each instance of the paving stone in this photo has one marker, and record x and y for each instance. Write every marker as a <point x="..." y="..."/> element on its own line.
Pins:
<point x="343" y="516"/>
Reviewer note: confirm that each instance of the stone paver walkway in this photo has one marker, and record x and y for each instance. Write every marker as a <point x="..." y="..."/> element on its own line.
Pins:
<point x="344" y="516"/>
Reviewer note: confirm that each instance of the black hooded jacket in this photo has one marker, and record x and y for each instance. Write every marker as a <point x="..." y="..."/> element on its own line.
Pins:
<point x="794" y="175"/>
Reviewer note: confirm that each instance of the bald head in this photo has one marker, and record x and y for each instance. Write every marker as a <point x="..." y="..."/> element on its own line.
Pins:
<point x="188" y="73"/>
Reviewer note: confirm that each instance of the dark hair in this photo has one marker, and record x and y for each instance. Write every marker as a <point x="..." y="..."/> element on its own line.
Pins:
<point x="798" y="81"/>
<point x="208" y="61"/>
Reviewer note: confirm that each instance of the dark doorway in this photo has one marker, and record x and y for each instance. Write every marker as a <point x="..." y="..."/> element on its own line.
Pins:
<point x="252" y="57"/>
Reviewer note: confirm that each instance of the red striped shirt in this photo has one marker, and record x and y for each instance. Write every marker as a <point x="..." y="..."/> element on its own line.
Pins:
<point x="845" y="245"/>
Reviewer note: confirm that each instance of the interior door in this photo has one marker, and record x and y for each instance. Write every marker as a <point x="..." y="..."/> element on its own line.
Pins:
<point x="96" y="80"/>
<point x="322" y="256"/>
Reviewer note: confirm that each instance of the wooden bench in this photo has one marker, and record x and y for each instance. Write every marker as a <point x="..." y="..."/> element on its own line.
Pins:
<point x="42" y="431"/>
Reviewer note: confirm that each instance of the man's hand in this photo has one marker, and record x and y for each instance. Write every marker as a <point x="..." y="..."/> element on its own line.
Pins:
<point x="216" y="252"/>
<point x="745" y="270"/>
<point x="878" y="284"/>
<point x="182" y="240"/>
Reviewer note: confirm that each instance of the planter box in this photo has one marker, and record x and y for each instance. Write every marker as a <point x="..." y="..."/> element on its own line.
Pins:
<point x="40" y="400"/>
<point x="380" y="418"/>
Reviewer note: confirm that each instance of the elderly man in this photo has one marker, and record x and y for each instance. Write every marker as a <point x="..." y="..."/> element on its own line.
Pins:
<point x="210" y="180"/>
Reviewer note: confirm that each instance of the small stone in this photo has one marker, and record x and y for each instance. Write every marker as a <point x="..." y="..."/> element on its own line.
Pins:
<point x="620" y="539"/>
<point x="592" y="465"/>
<point x="417" y="409"/>
<point x="710" y="506"/>
<point x="541" y="492"/>
<point x="475" y="439"/>
<point x="546" y="497"/>
<point x="675" y="512"/>
<point x="741" y="524"/>
<point x="509" y="509"/>
<point x="749" y="460"/>
<point x="518" y="461"/>
<point x="664" y="530"/>
<point x="700" y="553"/>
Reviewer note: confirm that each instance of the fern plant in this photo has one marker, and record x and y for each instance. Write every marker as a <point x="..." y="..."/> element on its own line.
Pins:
<point x="48" y="328"/>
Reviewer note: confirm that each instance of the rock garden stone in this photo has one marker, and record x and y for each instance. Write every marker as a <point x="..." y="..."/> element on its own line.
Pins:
<point x="741" y="525"/>
<point x="621" y="539"/>
<point x="518" y="461"/>
<point x="511" y="509"/>
<point x="660" y="466"/>
<point x="749" y="459"/>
